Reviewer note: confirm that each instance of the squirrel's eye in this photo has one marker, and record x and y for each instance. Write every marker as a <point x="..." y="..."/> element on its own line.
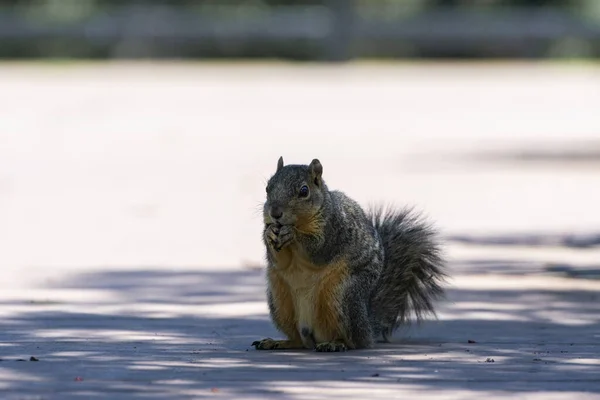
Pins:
<point x="303" y="191"/>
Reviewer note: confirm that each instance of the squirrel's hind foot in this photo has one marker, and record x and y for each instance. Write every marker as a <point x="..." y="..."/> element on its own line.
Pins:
<point x="333" y="346"/>
<point x="270" y="344"/>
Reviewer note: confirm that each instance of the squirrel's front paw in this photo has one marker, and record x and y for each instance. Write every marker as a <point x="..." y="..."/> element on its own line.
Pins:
<point x="272" y="235"/>
<point x="285" y="237"/>
<point x="279" y="236"/>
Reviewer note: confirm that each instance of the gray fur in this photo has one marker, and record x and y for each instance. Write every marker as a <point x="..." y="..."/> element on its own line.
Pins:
<point x="413" y="271"/>
<point x="394" y="264"/>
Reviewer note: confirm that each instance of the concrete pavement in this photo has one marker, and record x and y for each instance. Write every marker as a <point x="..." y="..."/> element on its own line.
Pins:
<point x="129" y="226"/>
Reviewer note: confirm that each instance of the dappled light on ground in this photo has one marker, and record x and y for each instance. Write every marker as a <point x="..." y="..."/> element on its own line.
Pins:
<point x="516" y="335"/>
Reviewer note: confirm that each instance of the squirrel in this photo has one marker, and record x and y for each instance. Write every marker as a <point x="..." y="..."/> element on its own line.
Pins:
<point x="340" y="278"/>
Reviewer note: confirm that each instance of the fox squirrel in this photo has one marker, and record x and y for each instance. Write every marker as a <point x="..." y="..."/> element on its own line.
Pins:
<point x="339" y="278"/>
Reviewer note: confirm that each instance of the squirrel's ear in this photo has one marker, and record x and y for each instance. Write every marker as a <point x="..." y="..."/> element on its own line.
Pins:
<point x="316" y="170"/>
<point x="280" y="163"/>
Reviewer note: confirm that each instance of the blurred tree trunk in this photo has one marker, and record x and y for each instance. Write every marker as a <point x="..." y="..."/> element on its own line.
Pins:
<point x="339" y="46"/>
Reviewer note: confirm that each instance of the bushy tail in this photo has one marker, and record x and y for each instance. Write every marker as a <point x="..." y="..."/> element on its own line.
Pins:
<point x="413" y="271"/>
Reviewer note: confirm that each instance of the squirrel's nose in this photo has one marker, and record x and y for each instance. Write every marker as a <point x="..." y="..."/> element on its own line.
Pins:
<point x="276" y="212"/>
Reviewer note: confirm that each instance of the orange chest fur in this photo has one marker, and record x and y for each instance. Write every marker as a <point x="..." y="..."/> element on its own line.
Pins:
<point x="309" y="294"/>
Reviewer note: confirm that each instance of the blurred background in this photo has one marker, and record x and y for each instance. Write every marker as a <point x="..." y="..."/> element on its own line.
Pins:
<point x="141" y="131"/>
<point x="331" y="30"/>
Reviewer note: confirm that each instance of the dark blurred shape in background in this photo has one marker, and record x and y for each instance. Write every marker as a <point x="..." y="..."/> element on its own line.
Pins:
<point x="333" y="30"/>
